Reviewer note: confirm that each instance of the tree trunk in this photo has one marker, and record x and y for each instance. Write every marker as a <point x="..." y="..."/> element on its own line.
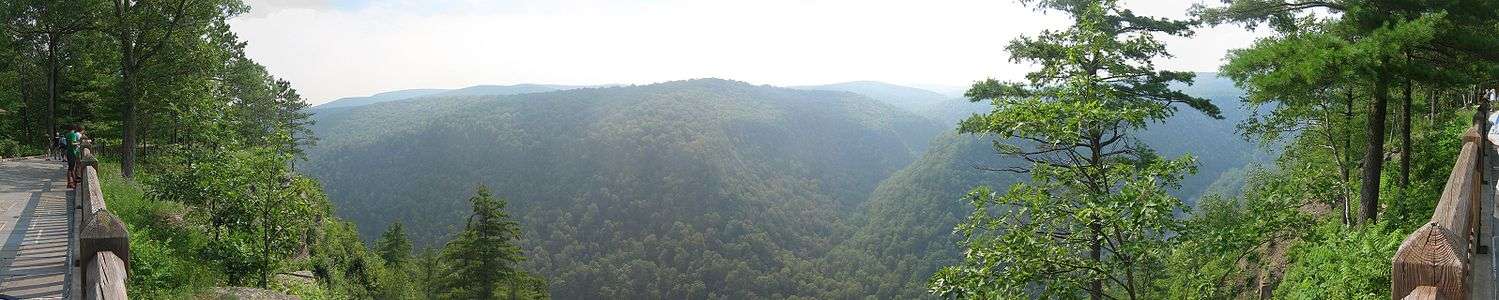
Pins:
<point x="1096" y="253"/>
<point x="1374" y="150"/>
<point x="51" y="83"/>
<point x="127" y="146"/>
<point x="1096" y="249"/>
<point x="265" y="242"/>
<point x="1344" y="161"/>
<point x="1405" y="138"/>
<point x="128" y="88"/>
<point x="27" y="111"/>
<point x="514" y="287"/>
<point x="1432" y="97"/>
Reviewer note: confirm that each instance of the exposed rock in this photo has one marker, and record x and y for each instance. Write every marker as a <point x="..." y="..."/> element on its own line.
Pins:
<point x="302" y="277"/>
<point x="244" y="293"/>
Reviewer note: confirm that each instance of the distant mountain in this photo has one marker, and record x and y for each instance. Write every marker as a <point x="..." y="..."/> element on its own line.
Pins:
<point x="381" y="97"/>
<point x="951" y="91"/>
<point x="493" y="90"/>
<point x="904" y="97"/>
<point x="688" y="189"/>
<point x="478" y="90"/>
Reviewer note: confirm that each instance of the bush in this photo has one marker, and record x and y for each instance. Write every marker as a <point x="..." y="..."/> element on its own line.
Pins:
<point x="1338" y="262"/>
<point x="11" y="148"/>
<point x="162" y="265"/>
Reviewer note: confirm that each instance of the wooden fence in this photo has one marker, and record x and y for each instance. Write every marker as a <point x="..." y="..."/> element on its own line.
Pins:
<point x="1435" y="261"/>
<point x="103" y="250"/>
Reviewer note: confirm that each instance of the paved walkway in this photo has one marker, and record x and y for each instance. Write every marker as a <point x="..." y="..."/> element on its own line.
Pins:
<point x="34" y="228"/>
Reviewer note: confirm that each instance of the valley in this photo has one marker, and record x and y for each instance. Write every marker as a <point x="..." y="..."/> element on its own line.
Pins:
<point x="706" y="187"/>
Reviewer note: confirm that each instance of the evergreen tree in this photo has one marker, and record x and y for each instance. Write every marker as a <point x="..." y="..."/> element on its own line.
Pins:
<point x="1095" y="216"/>
<point x="428" y="273"/>
<point x="393" y="245"/>
<point x="1307" y="82"/>
<point x="484" y="255"/>
<point x="1385" y="43"/>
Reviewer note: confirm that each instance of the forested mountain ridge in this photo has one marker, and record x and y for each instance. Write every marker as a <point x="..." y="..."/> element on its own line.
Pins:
<point x="477" y="90"/>
<point x="377" y="98"/>
<point x="835" y="183"/>
<point x="903" y="97"/>
<point x="489" y="89"/>
<point x="697" y="188"/>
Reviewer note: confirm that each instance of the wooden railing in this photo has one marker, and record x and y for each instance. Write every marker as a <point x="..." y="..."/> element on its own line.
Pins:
<point x="103" y="244"/>
<point x="1435" y="261"/>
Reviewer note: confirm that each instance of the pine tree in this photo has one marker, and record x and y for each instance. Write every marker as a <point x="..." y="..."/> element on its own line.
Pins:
<point x="484" y="256"/>
<point x="393" y="245"/>
<point x="428" y="273"/>
<point x="1388" y="44"/>
<point x="1096" y="213"/>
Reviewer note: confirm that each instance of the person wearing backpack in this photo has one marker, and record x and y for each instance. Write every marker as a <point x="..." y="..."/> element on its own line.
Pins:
<point x="59" y="145"/>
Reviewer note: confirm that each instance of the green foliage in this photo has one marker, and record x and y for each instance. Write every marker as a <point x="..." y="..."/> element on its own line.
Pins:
<point x="163" y="262"/>
<point x="703" y="188"/>
<point x="1335" y="261"/>
<point x="1096" y="214"/>
<point x="12" y="148"/>
<point x="427" y="274"/>
<point x="176" y="253"/>
<point x="394" y="248"/>
<point x="256" y="211"/>
<point x="886" y="243"/>
<point x="1229" y="242"/>
<point x="1437" y="145"/>
<point x="484" y="256"/>
<point x="349" y="269"/>
<point x="201" y="143"/>
<point x="1224" y="235"/>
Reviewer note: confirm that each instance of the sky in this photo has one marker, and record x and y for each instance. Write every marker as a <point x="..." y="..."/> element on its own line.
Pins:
<point x="331" y="49"/>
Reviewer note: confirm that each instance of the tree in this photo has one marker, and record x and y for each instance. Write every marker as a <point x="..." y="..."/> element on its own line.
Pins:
<point x="1385" y="36"/>
<point x="428" y="273"/>
<point x="1095" y="215"/>
<point x="1304" y="80"/>
<point x="484" y="255"/>
<point x="143" y="30"/>
<point x="393" y="245"/>
<point x="53" y="22"/>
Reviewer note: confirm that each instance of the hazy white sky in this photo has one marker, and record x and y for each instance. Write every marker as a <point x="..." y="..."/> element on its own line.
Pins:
<point x="339" y="48"/>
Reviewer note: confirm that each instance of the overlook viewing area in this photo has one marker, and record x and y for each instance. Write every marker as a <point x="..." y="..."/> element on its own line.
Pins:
<point x="58" y="243"/>
<point x="1451" y="257"/>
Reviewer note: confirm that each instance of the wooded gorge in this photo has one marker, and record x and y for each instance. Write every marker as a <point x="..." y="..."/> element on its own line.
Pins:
<point x="1295" y="170"/>
<point x="793" y="192"/>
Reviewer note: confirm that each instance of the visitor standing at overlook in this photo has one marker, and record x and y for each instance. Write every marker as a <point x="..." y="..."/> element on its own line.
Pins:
<point x="75" y="139"/>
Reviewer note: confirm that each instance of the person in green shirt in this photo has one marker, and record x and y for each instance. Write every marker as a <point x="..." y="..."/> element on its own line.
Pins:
<point x="75" y="150"/>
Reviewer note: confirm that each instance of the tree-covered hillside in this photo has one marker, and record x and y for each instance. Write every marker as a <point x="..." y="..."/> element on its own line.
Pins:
<point x="686" y="189"/>
<point x="903" y="97"/>
<point x="701" y="185"/>
<point x="911" y="215"/>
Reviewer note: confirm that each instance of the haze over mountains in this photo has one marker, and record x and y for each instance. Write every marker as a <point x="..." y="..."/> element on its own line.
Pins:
<point x="478" y="90"/>
<point x="703" y="188"/>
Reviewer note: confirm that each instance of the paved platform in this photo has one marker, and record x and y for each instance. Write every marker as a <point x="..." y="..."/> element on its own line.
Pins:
<point x="34" y="229"/>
